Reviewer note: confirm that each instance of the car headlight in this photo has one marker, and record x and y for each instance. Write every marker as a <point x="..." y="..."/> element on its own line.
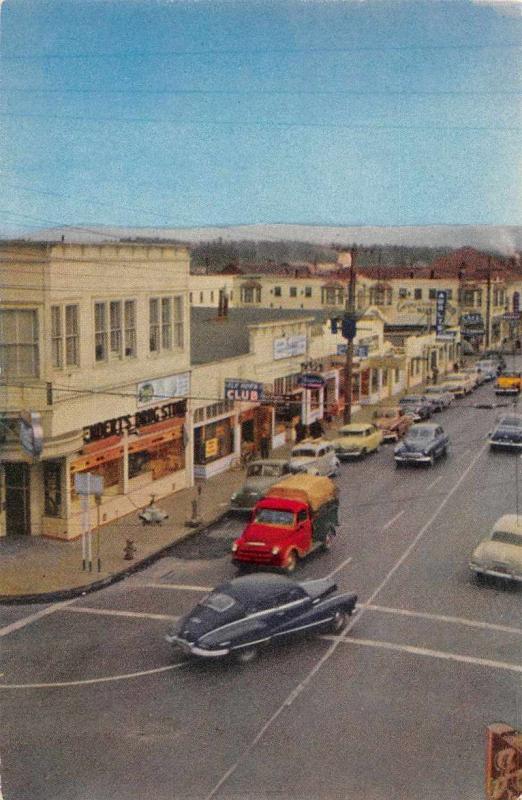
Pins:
<point x="276" y="550"/>
<point x="234" y="547"/>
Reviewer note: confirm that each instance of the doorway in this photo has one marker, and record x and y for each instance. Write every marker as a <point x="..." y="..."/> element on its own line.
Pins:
<point x="18" y="520"/>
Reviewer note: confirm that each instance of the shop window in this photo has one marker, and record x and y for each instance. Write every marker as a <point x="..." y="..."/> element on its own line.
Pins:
<point x="158" y="461"/>
<point x="100" y="331"/>
<point x="19" y="356"/>
<point x="130" y="328"/>
<point x="52" y="488"/>
<point x="247" y="431"/>
<point x="213" y="441"/>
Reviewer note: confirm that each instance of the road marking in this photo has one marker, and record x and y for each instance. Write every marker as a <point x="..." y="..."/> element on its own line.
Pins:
<point x="44" y="612"/>
<point x="471" y="623"/>
<point x="338" y="640"/>
<point x="182" y="586"/>
<point x="90" y="681"/>
<point x="344" y="563"/>
<point x="424" y="651"/>
<point x="433" y="483"/>
<point x="111" y="612"/>
<point x="393" y="519"/>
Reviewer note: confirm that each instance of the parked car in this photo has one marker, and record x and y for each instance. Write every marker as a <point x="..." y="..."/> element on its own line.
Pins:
<point x="296" y="517"/>
<point x="356" y="440"/>
<point x="423" y="444"/>
<point x="476" y="375"/>
<point x="316" y="456"/>
<point x="507" y="434"/>
<point x="416" y="407"/>
<point x="508" y="383"/>
<point x="439" y="395"/>
<point x="500" y="555"/>
<point x="457" y="384"/>
<point x="393" y="422"/>
<point x="488" y="368"/>
<point x="246" y="613"/>
<point x="260" y="476"/>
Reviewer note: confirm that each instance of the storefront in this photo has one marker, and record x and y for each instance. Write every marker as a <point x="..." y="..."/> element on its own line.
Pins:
<point x="216" y="438"/>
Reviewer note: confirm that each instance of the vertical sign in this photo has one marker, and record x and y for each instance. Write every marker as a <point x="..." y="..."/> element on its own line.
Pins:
<point x="440" y="312"/>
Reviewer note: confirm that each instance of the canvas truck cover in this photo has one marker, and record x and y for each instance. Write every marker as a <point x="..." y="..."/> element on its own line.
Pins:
<point x="312" y="489"/>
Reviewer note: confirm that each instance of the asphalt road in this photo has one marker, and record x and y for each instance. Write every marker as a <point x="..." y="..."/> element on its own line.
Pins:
<point x="95" y="706"/>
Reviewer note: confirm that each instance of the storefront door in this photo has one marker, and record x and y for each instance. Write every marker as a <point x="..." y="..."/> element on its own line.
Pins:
<point x="18" y="521"/>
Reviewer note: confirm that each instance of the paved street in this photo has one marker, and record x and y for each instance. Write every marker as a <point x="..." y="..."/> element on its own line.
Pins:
<point x="95" y="706"/>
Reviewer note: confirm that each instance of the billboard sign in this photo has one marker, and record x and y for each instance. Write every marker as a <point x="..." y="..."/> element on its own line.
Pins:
<point x="236" y="389"/>
<point x="288" y="346"/>
<point x="158" y="389"/>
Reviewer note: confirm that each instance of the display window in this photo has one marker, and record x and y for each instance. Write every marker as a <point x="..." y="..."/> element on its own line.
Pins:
<point x="213" y="441"/>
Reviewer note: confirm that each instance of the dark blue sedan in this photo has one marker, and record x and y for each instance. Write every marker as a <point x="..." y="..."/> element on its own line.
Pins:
<point x="423" y="444"/>
<point x="239" y="617"/>
<point x="508" y="433"/>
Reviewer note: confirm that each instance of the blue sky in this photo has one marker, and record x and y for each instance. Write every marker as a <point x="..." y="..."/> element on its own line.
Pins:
<point x="198" y="113"/>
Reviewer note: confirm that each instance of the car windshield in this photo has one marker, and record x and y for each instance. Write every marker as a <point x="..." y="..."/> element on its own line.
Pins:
<point x="274" y="516"/>
<point x="510" y="422"/>
<point x="303" y="451"/>
<point x="506" y="537"/>
<point x="218" y="601"/>
<point x="352" y="432"/>
<point x="264" y="470"/>
<point x="420" y="433"/>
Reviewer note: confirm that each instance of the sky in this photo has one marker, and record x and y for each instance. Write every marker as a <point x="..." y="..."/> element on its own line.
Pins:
<point x="342" y="112"/>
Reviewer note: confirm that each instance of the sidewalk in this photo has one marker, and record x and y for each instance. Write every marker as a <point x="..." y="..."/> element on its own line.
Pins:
<point x="35" y="569"/>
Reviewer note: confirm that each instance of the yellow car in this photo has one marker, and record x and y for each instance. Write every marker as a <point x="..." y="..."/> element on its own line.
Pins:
<point x="357" y="440"/>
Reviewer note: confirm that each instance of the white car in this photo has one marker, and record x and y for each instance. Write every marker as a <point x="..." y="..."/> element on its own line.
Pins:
<point x="315" y="456"/>
<point x="500" y="555"/>
<point x="488" y="369"/>
<point x="440" y="395"/>
<point x="475" y="374"/>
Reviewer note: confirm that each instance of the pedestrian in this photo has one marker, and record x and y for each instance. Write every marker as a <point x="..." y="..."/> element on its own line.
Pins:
<point x="299" y="432"/>
<point x="265" y="446"/>
<point x="435" y="375"/>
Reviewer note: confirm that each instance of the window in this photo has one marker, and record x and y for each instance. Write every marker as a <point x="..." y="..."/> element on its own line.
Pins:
<point x="56" y="337"/>
<point x="231" y="295"/>
<point x="277" y="291"/>
<point x="166" y="323"/>
<point x="418" y="294"/>
<point x="190" y="298"/>
<point x="154" y="325"/>
<point x="130" y="328"/>
<point x="331" y="296"/>
<point x="397" y="375"/>
<point x="432" y="294"/>
<point x="115" y="328"/>
<point x="201" y="298"/>
<point x="211" y="297"/>
<point x="100" y="331"/>
<point x="403" y="293"/>
<point x="293" y="291"/>
<point x="19" y="342"/>
<point x="70" y="337"/>
<point x="449" y="293"/>
<point x="308" y="291"/>
<point x="251" y="294"/>
<point x="178" y="322"/>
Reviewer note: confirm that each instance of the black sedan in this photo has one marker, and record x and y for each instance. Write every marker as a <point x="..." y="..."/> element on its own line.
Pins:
<point x="508" y="433"/>
<point x="239" y="617"/>
<point x="416" y="406"/>
<point x="423" y="444"/>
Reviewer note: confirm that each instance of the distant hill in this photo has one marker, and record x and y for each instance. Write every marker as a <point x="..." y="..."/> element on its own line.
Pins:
<point x="505" y="240"/>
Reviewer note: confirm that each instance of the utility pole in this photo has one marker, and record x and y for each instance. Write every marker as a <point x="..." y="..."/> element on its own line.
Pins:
<point x="349" y="328"/>
<point x="488" y="304"/>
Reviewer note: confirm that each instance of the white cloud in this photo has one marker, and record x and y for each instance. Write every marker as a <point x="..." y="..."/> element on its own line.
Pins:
<point x="509" y="7"/>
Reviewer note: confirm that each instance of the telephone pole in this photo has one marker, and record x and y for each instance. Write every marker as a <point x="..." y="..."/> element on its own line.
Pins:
<point x="349" y="329"/>
<point x="488" y="305"/>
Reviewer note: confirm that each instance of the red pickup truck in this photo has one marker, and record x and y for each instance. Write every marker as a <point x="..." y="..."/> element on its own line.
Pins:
<point x="296" y="517"/>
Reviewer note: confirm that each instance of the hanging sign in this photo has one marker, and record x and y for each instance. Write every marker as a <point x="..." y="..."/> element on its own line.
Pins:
<point x="289" y="346"/>
<point x="311" y="380"/>
<point x="158" y="389"/>
<point x="236" y="389"/>
<point x="31" y="432"/>
<point x="442" y="299"/>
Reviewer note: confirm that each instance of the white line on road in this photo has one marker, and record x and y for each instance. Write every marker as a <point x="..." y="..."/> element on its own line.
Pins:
<point x="471" y="623"/>
<point x="434" y="483"/>
<point x="182" y="586"/>
<point x="423" y="651"/>
<point x="111" y="612"/>
<point x="44" y="612"/>
<point x="344" y="563"/>
<point x="337" y="641"/>
<point x="89" y="681"/>
<point x="393" y="519"/>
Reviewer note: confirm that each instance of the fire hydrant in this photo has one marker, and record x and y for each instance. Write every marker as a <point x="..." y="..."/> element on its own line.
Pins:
<point x="129" y="551"/>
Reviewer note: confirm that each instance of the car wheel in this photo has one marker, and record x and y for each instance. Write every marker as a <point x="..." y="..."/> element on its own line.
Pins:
<point x="338" y="622"/>
<point x="291" y="562"/>
<point x="246" y="654"/>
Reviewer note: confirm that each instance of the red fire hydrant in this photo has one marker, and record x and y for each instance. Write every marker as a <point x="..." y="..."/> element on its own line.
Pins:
<point x="129" y="551"/>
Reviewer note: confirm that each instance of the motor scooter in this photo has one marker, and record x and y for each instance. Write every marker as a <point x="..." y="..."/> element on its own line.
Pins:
<point x="152" y="515"/>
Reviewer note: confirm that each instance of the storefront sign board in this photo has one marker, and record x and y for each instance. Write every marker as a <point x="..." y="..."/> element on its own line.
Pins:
<point x="289" y="346"/>
<point x="236" y="389"/>
<point x="133" y="422"/>
<point x="211" y="447"/>
<point x="442" y="298"/>
<point x="159" y="389"/>
<point x="87" y="483"/>
<point x="311" y="381"/>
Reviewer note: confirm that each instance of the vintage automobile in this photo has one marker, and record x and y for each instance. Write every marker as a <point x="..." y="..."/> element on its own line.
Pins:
<point x="416" y="406"/>
<point x="507" y="434"/>
<point x="260" y="476"/>
<point x="458" y="385"/>
<point x="423" y="444"/>
<point x="488" y="368"/>
<point x="440" y="396"/>
<point x="356" y="440"/>
<point x="476" y="375"/>
<point x="239" y="617"/>
<point x="298" y="516"/>
<point x="500" y="555"/>
<point x="392" y="421"/>
<point x="508" y="383"/>
<point x="497" y="357"/>
<point x="315" y="456"/>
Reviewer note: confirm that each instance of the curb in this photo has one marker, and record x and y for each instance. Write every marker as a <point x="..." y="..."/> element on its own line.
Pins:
<point x="79" y="591"/>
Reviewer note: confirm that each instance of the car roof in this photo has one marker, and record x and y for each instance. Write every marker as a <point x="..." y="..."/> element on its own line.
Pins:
<point x="255" y="587"/>
<point x="510" y="523"/>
